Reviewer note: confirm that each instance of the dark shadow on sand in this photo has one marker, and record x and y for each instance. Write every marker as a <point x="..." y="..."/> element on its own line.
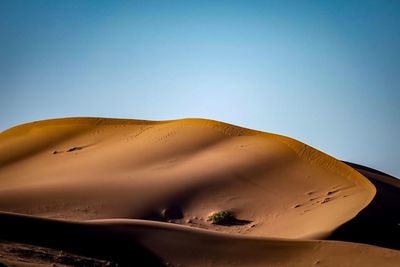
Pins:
<point x="82" y="239"/>
<point x="378" y="223"/>
<point x="234" y="222"/>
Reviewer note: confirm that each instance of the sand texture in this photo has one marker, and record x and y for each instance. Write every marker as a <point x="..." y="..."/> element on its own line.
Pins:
<point x="133" y="188"/>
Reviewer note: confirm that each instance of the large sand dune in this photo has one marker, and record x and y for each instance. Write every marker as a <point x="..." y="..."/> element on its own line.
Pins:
<point x="122" y="175"/>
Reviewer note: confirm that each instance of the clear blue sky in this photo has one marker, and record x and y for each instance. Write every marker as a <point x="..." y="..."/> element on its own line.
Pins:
<point x="324" y="72"/>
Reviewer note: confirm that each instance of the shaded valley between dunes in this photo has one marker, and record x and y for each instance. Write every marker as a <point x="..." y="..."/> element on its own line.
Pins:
<point x="190" y="192"/>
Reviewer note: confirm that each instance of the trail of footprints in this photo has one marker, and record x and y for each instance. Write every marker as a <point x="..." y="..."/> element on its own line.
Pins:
<point x="72" y="149"/>
<point x="316" y="199"/>
<point x="164" y="137"/>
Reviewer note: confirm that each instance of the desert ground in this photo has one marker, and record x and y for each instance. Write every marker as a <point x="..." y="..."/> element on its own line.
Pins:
<point x="118" y="192"/>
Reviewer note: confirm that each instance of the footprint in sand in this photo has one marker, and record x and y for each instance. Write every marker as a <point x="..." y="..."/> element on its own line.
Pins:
<point x="332" y="192"/>
<point x="75" y="148"/>
<point x="72" y="149"/>
<point x="326" y="200"/>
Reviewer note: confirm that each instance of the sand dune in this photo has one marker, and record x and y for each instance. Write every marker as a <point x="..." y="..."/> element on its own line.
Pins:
<point x="123" y="175"/>
<point x="187" y="246"/>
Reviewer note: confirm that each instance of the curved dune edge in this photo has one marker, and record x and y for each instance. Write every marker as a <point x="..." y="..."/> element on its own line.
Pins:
<point x="376" y="224"/>
<point x="77" y="168"/>
<point x="181" y="245"/>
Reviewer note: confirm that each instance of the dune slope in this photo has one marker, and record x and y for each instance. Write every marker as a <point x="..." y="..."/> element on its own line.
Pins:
<point x="130" y="191"/>
<point x="148" y="243"/>
<point x="93" y="168"/>
<point x="379" y="223"/>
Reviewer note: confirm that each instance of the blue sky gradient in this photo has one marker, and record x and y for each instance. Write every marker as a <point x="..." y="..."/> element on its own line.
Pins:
<point x="324" y="72"/>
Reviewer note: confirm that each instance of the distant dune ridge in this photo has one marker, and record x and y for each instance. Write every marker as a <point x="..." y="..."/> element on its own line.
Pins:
<point x="147" y="188"/>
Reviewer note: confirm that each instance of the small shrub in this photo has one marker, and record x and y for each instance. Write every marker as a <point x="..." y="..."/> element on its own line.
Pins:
<point x="221" y="217"/>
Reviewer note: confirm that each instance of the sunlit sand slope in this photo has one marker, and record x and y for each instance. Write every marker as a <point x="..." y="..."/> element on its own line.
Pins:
<point x="179" y="171"/>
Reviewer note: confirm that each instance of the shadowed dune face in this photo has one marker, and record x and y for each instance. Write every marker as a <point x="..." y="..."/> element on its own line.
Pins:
<point x="87" y="168"/>
<point x="379" y="223"/>
<point x="132" y="242"/>
<point x="200" y="248"/>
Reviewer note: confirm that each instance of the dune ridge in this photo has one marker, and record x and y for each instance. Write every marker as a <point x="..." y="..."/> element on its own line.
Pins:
<point x="124" y="175"/>
<point x="378" y="223"/>
<point x="189" y="246"/>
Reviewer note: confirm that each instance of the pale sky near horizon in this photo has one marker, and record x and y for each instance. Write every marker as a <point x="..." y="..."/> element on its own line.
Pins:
<point x="324" y="72"/>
